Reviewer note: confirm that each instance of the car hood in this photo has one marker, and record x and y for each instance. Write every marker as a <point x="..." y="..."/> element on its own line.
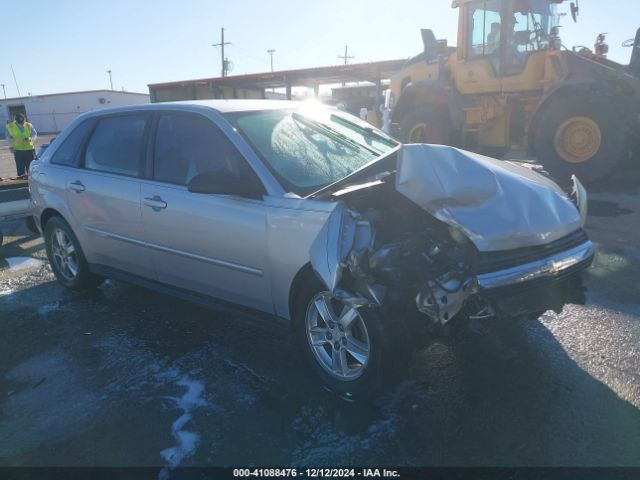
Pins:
<point x="496" y="204"/>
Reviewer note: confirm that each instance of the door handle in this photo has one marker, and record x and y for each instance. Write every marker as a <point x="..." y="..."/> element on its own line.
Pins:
<point x="155" y="202"/>
<point x="77" y="186"/>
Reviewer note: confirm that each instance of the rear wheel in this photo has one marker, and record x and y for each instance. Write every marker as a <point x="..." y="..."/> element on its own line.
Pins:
<point x="66" y="257"/>
<point x="425" y="125"/>
<point x="579" y="137"/>
<point x="348" y="348"/>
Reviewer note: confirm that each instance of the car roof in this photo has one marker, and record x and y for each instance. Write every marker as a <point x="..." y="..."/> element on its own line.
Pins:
<point x="221" y="106"/>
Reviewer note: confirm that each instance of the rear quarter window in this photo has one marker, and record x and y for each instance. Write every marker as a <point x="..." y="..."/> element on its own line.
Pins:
<point x="69" y="152"/>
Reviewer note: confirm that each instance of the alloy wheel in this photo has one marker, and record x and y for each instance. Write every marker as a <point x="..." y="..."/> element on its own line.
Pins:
<point x="64" y="254"/>
<point x="338" y="337"/>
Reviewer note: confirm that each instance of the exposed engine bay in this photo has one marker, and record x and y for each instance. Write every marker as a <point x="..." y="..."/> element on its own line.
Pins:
<point x="449" y="231"/>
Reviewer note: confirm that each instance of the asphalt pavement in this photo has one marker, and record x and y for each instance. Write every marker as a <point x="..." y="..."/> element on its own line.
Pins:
<point x="123" y="376"/>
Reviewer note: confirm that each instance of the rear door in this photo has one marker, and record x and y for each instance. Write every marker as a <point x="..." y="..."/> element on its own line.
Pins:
<point x="212" y="244"/>
<point x="104" y="194"/>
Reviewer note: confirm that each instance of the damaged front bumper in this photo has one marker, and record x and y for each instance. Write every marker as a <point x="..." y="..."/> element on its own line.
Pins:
<point x="485" y="240"/>
<point x="549" y="268"/>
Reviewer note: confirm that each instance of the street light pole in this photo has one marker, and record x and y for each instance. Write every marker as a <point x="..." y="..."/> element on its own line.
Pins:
<point x="110" y="79"/>
<point x="271" y="52"/>
<point x="4" y="91"/>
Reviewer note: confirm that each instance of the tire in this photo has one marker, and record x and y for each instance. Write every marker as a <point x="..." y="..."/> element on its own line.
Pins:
<point x="374" y="372"/>
<point x="426" y="125"/>
<point x="68" y="264"/>
<point x="581" y="137"/>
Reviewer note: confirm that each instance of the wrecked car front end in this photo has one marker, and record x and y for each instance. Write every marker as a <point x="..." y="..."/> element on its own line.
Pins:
<point x="455" y="234"/>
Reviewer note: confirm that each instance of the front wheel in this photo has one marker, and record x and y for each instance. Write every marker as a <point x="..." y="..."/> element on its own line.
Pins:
<point x="66" y="257"/>
<point x="347" y="347"/>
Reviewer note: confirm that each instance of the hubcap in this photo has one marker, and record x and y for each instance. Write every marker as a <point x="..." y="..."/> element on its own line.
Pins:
<point x="578" y="139"/>
<point x="64" y="254"/>
<point x="339" y="342"/>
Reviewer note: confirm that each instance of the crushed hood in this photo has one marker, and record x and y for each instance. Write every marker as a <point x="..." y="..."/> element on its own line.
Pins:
<point x="496" y="204"/>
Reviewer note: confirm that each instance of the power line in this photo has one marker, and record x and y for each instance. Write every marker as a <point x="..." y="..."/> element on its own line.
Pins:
<point x="225" y="63"/>
<point x="247" y="55"/>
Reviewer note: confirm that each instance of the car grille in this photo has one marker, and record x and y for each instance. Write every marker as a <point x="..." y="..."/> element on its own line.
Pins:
<point x="494" y="261"/>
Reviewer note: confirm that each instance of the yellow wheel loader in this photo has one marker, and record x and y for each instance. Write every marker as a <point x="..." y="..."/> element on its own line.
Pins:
<point x="511" y="84"/>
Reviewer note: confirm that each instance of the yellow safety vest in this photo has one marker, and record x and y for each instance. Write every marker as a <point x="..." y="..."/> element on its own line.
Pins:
<point x="21" y="138"/>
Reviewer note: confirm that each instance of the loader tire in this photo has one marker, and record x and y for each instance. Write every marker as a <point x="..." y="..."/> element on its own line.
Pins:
<point x="426" y="125"/>
<point x="582" y="137"/>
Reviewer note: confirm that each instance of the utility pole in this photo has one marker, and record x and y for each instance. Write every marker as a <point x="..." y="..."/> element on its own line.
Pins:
<point x="222" y="44"/>
<point x="346" y="56"/>
<point x="4" y="91"/>
<point x="110" y="79"/>
<point x="271" y="52"/>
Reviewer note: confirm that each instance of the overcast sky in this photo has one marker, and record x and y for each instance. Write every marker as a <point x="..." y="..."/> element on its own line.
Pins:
<point x="68" y="45"/>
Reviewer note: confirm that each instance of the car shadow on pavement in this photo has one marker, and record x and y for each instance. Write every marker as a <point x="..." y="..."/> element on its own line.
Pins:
<point x="102" y="379"/>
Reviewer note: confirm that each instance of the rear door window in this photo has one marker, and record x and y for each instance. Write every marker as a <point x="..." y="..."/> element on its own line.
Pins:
<point x="116" y="145"/>
<point x="188" y="144"/>
<point x="69" y="152"/>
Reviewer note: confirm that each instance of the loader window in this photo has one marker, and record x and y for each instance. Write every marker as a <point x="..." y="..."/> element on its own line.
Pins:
<point x="528" y="23"/>
<point x="485" y="24"/>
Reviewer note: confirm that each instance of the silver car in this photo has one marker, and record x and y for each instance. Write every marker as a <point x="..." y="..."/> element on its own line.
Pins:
<point x="310" y="215"/>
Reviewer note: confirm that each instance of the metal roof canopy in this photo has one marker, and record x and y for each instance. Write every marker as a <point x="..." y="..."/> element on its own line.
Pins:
<point x="306" y="77"/>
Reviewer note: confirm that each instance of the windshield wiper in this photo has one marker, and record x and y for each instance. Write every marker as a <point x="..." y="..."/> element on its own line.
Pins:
<point x="322" y="128"/>
<point x="369" y="130"/>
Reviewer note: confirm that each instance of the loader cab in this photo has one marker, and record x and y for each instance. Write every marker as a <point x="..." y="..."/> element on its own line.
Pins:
<point x="502" y="39"/>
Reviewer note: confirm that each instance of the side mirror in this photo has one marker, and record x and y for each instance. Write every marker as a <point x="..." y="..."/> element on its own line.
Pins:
<point x="223" y="183"/>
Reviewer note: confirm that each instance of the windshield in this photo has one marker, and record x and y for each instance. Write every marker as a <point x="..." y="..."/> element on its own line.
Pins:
<point x="535" y="19"/>
<point x="308" y="149"/>
<point x="507" y="32"/>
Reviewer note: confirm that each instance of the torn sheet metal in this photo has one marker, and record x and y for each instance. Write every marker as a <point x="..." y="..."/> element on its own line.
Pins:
<point x="342" y="242"/>
<point x="498" y="205"/>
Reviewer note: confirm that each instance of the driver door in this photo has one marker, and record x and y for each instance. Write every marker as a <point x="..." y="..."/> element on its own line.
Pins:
<point x="215" y="245"/>
<point x="478" y="72"/>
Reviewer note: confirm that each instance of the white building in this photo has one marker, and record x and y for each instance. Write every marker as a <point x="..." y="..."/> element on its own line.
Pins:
<point x="51" y="113"/>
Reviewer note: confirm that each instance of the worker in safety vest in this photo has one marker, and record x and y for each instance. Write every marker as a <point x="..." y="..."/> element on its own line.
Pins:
<point x="21" y="135"/>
